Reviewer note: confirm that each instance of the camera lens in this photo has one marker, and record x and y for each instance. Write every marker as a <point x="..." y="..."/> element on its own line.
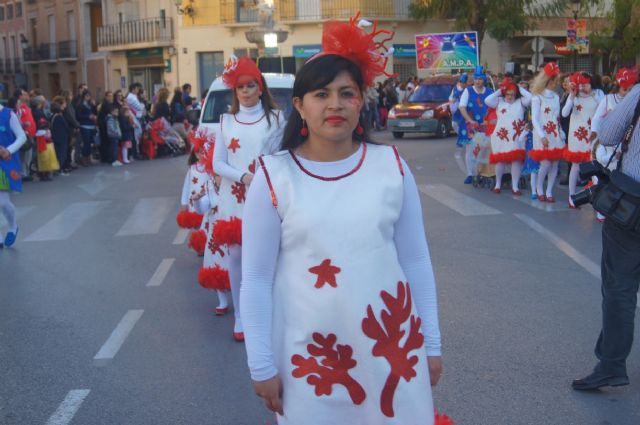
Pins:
<point x="582" y="198"/>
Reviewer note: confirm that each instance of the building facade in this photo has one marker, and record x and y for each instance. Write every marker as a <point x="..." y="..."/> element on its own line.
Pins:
<point x="12" y="36"/>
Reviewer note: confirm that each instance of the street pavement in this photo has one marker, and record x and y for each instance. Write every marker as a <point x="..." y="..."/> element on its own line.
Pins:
<point x="102" y="320"/>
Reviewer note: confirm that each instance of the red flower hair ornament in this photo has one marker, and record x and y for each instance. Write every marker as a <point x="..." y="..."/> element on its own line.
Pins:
<point x="353" y="43"/>
<point x="626" y="78"/>
<point x="507" y="85"/>
<point x="238" y="71"/>
<point x="551" y="69"/>
<point x="577" y="78"/>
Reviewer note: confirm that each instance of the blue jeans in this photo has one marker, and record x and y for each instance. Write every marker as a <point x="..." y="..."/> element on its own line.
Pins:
<point x="88" y="135"/>
<point x="114" y="142"/>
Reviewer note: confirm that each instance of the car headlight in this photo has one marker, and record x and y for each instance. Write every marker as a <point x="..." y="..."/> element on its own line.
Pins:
<point x="392" y="114"/>
<point x="427" y="115"/>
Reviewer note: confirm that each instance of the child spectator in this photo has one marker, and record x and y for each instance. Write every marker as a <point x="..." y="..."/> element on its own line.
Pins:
<point x="60" y="132"/>
<point x="114" y="134"/>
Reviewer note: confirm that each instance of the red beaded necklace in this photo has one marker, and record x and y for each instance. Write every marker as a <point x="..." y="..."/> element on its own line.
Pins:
<point x="331" y="179"/>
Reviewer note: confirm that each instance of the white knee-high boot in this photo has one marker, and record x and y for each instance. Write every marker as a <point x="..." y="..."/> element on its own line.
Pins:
<point x="235" y="278"/>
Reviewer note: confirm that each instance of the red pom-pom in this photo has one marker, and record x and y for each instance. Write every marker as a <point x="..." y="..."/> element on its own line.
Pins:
<point x="236" y="68"/>
<point x="577" y="157"/>
<point x="189" y="220"/>
<point x="353" y="43"/>
<point x="228" y="232"/>
<point x="443" y="420"/>
<point x="198" y="241"/>
<point x="214" y="278"/>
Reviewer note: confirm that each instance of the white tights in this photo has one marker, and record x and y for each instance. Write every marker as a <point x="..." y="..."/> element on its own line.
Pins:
<point x="470" y="161"/>
<point x="125" y="156"/>
<point x="516" y="172"/>
<point x="574" y="175"/>
<point x="534" y="187"/>
<point x="235" y="277"/>
<point x="223" y="300"/>
<point x="548" y="169"/>
<point x="8" y="210"/>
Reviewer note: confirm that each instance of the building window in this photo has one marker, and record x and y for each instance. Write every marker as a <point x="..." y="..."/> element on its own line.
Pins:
<point x="1" y="13"/>
<point x="9" y="12"/>
<point x="243" y="51"/>
<point x="19" y="9"/>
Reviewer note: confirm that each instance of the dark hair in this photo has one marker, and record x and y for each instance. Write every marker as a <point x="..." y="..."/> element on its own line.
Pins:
<point x="192" y="157"/>
<point x="12" y="103"/>
<point x="55" y="108"/>
<point x="177" y="96"/>
<point x="134" y="86"/>
<point x="268" y="104"/>
<point x="186" y="87"/>
<point x="314" y="75"/>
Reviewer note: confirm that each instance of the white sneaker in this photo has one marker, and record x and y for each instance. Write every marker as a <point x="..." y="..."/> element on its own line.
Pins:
<point x="116" y="163"/>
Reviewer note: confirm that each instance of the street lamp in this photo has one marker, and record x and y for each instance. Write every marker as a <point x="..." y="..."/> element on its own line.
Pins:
<point x="187" y="10"/>
<point x="575" y="6"/>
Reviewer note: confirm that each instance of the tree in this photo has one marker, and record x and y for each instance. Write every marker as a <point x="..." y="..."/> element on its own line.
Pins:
<point x="501" y="19"/>
<point x="619" y="40"/>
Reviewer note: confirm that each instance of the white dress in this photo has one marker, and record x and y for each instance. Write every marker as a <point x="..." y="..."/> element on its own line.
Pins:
<point x="194" y="182"/>
<point x="346" y="335"/>
<point x="579" y="144"/>
<point x="545" y="118"/>
<point x="213" y="273"/>
<point x="507" y="140"/>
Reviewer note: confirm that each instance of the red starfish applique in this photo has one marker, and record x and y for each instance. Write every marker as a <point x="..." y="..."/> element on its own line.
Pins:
<point x="547" y="110"/>
<point x="239" y="190"/>
<point x="252" y="167"/>
<point x="326" y="274"/>
<point x="476" y="151"/>
<point x="214" y="210"/>
<point x="234" y="145"/>
<point x="194" y="180"/>
<point x="579" y="108"/>
<point x="503" y="134"/>
<point x="551" y="128"/>
<point x="503" y="111"/>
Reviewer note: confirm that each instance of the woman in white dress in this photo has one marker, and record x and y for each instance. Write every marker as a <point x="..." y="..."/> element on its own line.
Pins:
<point x="338" y="293"/>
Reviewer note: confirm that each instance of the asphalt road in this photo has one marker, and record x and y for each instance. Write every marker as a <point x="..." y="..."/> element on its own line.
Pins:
<point x="102" y="320"/>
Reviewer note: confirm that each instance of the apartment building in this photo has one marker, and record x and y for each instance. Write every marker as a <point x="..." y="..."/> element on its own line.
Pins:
<point x="12" y="36"/>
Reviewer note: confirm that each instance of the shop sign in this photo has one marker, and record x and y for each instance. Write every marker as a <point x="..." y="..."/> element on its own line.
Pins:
<point x="145" y="53"/>
<point x="305" y="51"/>
<point x="447" y="51"/>
<point x="404" y="50"/>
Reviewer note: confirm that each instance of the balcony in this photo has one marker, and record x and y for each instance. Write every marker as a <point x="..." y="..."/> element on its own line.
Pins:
<point x="143" y="33"/>
<point x="47" y="52"/>
<point x="68" y="50"/>
<point x="31" y="55"/>
<point x="7" y="66"/>
<point x="17" y="65"/>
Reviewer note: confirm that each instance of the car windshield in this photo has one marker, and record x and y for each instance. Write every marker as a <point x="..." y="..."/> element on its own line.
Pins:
<point x="431" y="93"/>
<point x="219" y="103"/>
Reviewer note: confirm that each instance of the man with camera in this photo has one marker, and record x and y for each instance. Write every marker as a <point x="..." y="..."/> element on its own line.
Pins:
<point x="617" y="197"/>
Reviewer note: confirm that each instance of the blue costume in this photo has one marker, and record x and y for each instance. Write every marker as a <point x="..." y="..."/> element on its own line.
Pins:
<point x="457" y="116"/>
<point x="476" y="108"/>
<point x="10" y="169"/>
<point x="530" y="166"/>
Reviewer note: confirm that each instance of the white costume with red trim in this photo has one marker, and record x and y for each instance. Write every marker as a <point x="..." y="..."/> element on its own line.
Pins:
<point x="546" y="123"/>
<point x="346" y="336"/>
<point x="213" y="273"/>
<point x="507" y="140"/>
<point x="579" y="145"/>
<point x="194" y="182"/>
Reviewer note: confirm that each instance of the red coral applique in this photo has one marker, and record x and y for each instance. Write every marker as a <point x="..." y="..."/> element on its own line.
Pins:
<point x="214" y="247"/>
<point x="388" y="336"/>
<point x="503" y="134"/>
<point x="234" y="145"/>
<point x="239" y="190"/>
<point x="579" y="108"/>
<point x="547" y="110"/>
<point x="518" y="128"/>
<point x="214" y="210"/>
<point x="194" y="180"/>
<point x="503" y="111"/>
<point x="551" y="128"/>
<point x="332" y="370"/>
<point x="326" y="274"/>
<point x="582" y="134"/>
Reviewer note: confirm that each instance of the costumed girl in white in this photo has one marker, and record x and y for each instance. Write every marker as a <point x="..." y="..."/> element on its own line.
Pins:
<point x="625" y="79"/>
<point x="12" y="137"/>
<point x="252" y="128"/>
<point x="548" y="137"/>
<point x="581" y="105"/>
<point x="194" y="182"/>
<point x="338" y="294"/>
<point x="507" y="140"/>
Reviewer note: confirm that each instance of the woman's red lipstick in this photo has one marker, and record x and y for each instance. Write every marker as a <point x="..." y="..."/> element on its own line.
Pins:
<point x="335" y="119"/>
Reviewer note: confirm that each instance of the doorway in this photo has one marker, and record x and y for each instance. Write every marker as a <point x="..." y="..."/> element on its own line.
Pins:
<point x="150" y="78"/>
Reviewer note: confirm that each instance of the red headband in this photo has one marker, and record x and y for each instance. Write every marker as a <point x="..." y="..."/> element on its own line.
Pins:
<point x="551" y="69"/>
<point x="507" y="85"/>
<point x="577" y="78"/>
<point x="626" y="78"/>
<point x="353" y="43"/>
<point x="236" y="68"/>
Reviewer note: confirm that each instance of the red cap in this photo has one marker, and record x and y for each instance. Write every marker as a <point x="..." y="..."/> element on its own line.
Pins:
<point x="626" y="78"/>
<point x="551" y="69"/>
<point x="237" y="71"/>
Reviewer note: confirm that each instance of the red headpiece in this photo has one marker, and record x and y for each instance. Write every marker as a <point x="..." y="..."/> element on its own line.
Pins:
<point x="551" y="69"/>
<point x="202" y="142"/>
<point x="353" y="43"/>
<point x="577" y="78"/>
<point x="507" y="85"/>
<point x="236" y="68"/>
<point x="626" y="78"/>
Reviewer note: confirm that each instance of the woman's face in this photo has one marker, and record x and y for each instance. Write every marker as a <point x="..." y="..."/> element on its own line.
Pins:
<point x="332" y="112"/>
<point x="248" y="93"/>
<point x="551" y="85"/>
<point x="478" y="83"/>
<point x="566" y="84"/>
<point x="109" y="97"/>
<point x="622" y="91"/>
<point x="585" y="88"/>
<point x="510" y="96"/>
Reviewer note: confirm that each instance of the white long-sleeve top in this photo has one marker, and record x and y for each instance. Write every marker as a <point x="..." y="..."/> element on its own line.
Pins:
<point x="16" y="128"/>
<point x="186" y="193"/>
<point x="610" y="100"/>
<point x="493" y="100"/>
<point x="135" y="105"/>
<point x="568" y="106"/>
<point x="252" y="114"/>
<point x="536" y="103"/>
<point x="261" y="243"/>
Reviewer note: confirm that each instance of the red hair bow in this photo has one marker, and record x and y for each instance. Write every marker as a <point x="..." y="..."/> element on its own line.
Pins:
<point x="236" y="68"/>
<point x="551" y="69"/>
<point x="578" y="78"/>
<point x="507" y="85"/>
<point x="626" y="78"/>
<point x="353" y="43"/>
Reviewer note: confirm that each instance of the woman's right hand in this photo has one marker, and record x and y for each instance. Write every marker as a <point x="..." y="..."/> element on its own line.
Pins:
<point x="271" y="392"/>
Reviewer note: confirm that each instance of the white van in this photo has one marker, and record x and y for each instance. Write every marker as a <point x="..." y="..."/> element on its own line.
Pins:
<point x="219" y="98"/>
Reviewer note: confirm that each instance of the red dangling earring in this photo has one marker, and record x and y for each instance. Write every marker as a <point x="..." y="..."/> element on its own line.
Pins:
<point x="359" y="130"/>
<point x="304" y="131"/>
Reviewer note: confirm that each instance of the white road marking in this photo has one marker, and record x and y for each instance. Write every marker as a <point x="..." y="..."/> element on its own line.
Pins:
<point x="102" y="180"/>
<point x="181" y="237"/>
<point x="161" y="272"/>
<point x="20" y="212"/>
<point x="68" y="408"/>
<point x="543" y="206"/>
<point x="119" y="335"/>
<point x="583" y="261"/>
<point x="63" y="225"/>
<point x="457" y="201"/>
<point x="147" y="216"/>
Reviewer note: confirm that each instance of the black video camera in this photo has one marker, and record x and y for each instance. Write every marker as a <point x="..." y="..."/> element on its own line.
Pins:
<point x="588" y="170"/>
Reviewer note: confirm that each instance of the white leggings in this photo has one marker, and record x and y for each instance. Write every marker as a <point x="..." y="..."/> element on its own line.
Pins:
<point x="574" y="175"/>
<point x="235" y="277"/>
<point x="548" y="169"/>
<point x="8" y="210"/>
<point x="468" y="165"/>
<point x="516" y="172"/>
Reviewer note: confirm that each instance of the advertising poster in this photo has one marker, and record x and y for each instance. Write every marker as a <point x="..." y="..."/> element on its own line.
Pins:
<point x="447" y="51"/>
<point x="577" y="38"/>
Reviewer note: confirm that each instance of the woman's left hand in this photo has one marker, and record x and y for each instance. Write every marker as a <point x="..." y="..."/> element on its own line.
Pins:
<point x="4" y="153"/>
<point x="435" y="369"/>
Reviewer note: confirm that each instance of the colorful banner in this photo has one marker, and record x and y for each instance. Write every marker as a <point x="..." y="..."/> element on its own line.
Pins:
<point x="447" y="51"/>
<point x="577" y="38"/>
